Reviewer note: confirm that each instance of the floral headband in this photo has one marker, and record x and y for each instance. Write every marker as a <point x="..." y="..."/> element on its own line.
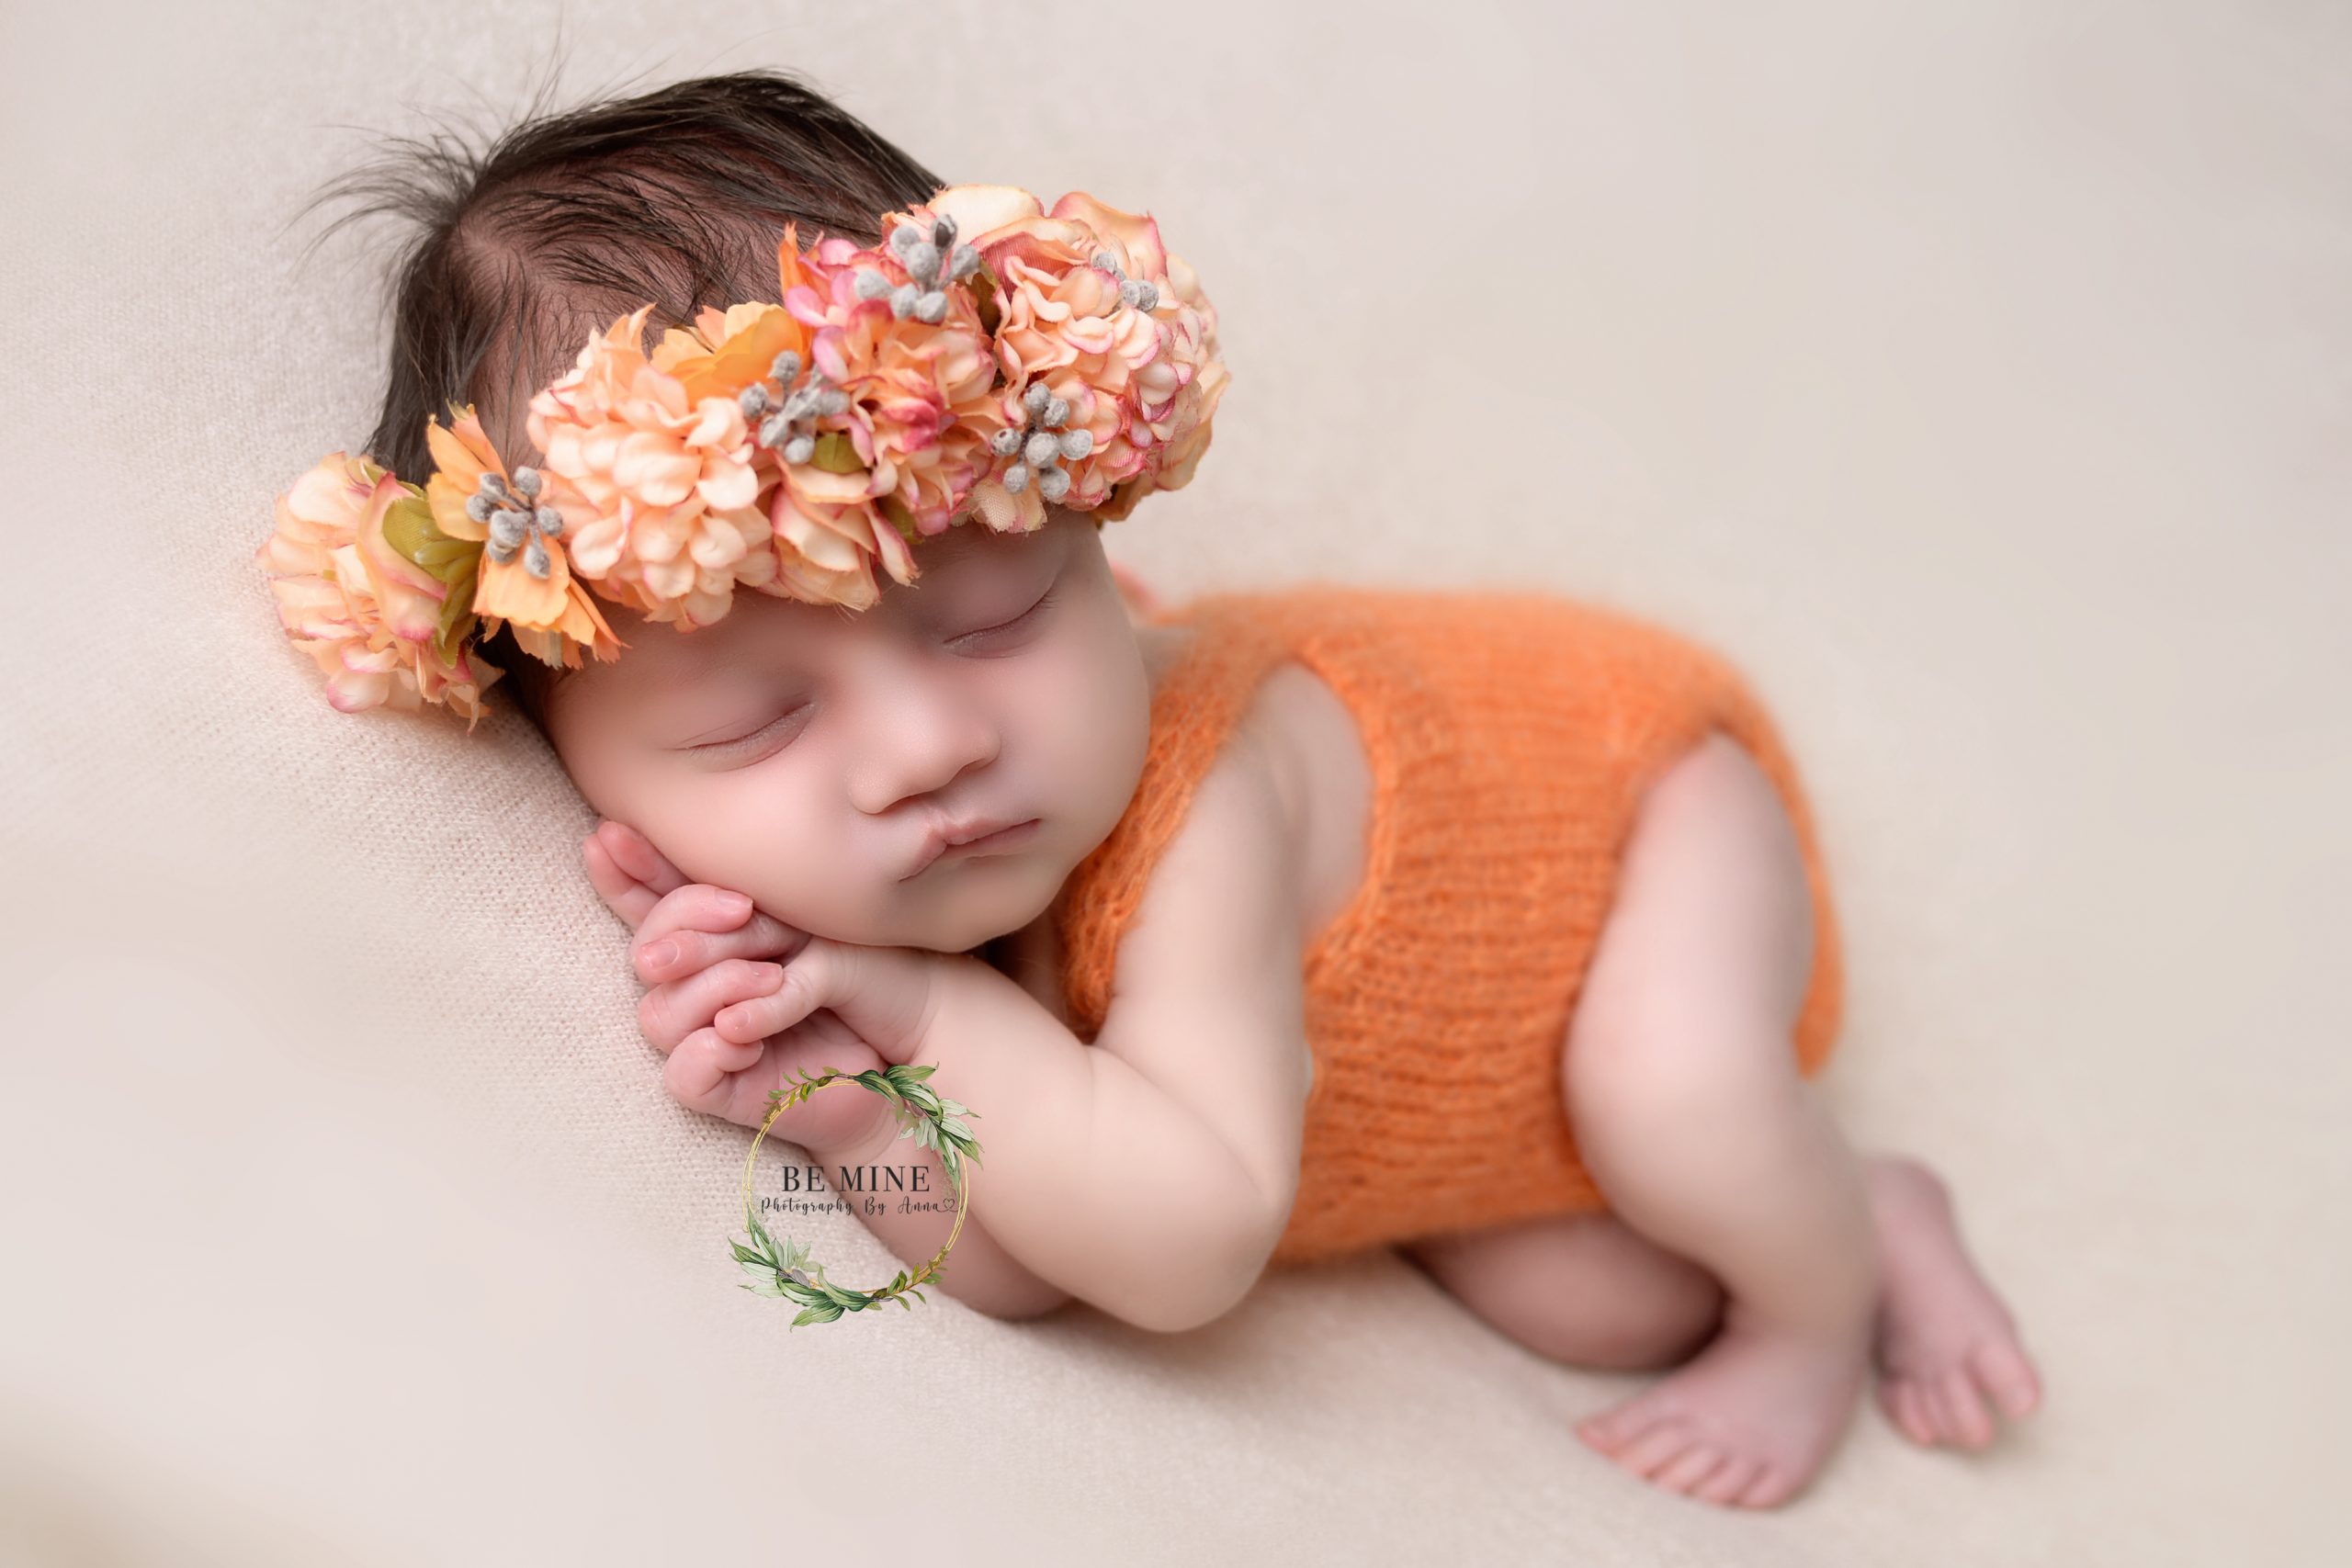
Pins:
<point x="1051" y="357"/>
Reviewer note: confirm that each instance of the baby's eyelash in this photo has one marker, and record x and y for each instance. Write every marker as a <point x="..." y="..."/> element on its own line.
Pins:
<point x="725" y="748"/>
<point x="1035" y="609"/>
<point x="722" y="748"/>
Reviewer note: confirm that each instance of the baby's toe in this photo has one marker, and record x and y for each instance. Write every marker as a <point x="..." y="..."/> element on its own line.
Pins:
<point x="1771" y="1487"/>
<point x="1612" y="1430"/>
<point x="1726" y="1484"/>
<point x="1690" y="1467"/>
<point x="1906" y="1407"/>
<point x="1929" y="1392"/>
<point x="1650" y="1452"/>
<point x="1972" y="1423"/>
<point x="2005" y="1373"/>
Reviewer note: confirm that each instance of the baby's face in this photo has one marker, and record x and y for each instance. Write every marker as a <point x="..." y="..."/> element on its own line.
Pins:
<point x="803" y="754"/>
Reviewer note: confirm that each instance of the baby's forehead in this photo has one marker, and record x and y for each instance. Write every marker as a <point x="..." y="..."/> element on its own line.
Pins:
<point x="952" y="565"/>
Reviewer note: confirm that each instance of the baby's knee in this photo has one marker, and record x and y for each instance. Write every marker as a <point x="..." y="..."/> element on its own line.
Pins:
<point x="1647" y="1335"/>
<point x="1655" y="1312"/>
<point x="1702" y="958"/>
<point x="1678" y="1076"/>
<point x="1585" y="1289"/>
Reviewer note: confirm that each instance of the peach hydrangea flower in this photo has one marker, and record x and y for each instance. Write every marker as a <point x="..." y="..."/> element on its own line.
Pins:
<point x="1091" y="309"/>
<point x="1182" y="427"/>
<point x="908" y="350"/>
<point x="516" y="523"/>
<point x="670" y="479"/>
<point x="385" y="630"/>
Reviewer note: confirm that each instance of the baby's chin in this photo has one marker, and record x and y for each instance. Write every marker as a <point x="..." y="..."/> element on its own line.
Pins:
<point x="984" y="904"/>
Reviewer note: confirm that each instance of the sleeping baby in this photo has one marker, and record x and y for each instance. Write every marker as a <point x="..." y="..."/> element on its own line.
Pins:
<point x="1267" y="929"/>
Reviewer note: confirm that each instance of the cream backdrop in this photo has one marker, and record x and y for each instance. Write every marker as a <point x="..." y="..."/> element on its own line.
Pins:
<point x="1973" y="373"/>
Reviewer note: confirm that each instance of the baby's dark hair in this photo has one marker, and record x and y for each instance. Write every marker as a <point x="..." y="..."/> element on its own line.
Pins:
<point x="526" y="248"/>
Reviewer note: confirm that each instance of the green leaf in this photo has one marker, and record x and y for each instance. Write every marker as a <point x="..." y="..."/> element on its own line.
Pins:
<point x="409" y="528"/>
<point x="455" y="622"/>
<point x="836" y="454"/>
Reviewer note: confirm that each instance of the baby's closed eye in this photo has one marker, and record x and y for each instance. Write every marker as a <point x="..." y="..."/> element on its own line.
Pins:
<point x="1025" y="622"/>
<point x="739" y="743"/>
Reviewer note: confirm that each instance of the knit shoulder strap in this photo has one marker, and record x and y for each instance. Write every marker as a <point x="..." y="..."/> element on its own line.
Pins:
<point x="1200" y="697"/>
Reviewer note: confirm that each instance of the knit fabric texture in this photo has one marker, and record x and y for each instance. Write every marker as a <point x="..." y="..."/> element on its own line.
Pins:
<point x="1511" y="738"/>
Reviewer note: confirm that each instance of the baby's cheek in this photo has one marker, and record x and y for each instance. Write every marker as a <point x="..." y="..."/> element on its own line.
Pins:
<point x="817" y="877"/>
<point x="1103" y="727"/>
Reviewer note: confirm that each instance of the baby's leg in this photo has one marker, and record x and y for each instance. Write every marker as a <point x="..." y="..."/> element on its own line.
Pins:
<point x="1589" y="1291"/>
<point x="1690" y="1114"/>
<point x="1584" y="1288"/>
<point x="1948" y="1349"/>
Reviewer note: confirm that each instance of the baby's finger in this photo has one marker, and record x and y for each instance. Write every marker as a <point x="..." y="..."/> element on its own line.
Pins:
<point x="700" y="1073"/>
<point x="838" y="1116"/>
<point x="695" y="906"/>
<point x="668" y="1013"/>
<point x="886" y="996"/>
<point x="635" y="853"/>
<point x="624" y="895"/>
<point x="763" y="1012"/>
<point x="673" y="953"/>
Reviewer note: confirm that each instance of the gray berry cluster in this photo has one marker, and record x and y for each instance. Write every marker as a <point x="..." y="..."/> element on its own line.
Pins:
<point x="791" y="425"/>
<point x="1041" y="445"/>
<point x="516" y="518"/>
<point x="924" y="256"/>
<point x="1135" y="293"/>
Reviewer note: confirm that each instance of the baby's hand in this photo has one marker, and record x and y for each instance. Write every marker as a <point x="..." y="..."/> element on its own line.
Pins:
<point x="700" y="949"/>
<point x="731" y="1026"/>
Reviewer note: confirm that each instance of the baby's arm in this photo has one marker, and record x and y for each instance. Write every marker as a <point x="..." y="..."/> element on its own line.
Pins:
<point x="700" y="949"/>
<point x="1151" y="1173"/>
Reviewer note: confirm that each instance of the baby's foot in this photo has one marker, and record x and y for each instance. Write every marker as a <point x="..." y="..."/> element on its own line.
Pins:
<point x="1945" y="1342"/>
<point x="1748" y="1421"/>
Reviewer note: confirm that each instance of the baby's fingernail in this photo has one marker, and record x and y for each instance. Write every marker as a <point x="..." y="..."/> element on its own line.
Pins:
<point x="661" y="954"/>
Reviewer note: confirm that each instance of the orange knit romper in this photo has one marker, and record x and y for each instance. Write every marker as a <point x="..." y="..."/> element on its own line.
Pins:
<point x="1510" y="736"/>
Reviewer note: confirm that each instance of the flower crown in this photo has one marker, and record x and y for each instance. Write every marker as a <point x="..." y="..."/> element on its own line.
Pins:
<point x="1049" y="356"/>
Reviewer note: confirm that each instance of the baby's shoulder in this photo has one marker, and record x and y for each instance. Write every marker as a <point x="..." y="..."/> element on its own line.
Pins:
<point x="1221" y="900"/>
<point x="1236" y="852"/>
<point x="1294" y="737"/>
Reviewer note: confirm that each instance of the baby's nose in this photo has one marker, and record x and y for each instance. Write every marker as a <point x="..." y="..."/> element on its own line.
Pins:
<point x="924" y="753"/>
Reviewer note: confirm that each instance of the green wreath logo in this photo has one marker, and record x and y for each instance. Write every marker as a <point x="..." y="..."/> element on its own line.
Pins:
<point x="928" y="1118"/>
